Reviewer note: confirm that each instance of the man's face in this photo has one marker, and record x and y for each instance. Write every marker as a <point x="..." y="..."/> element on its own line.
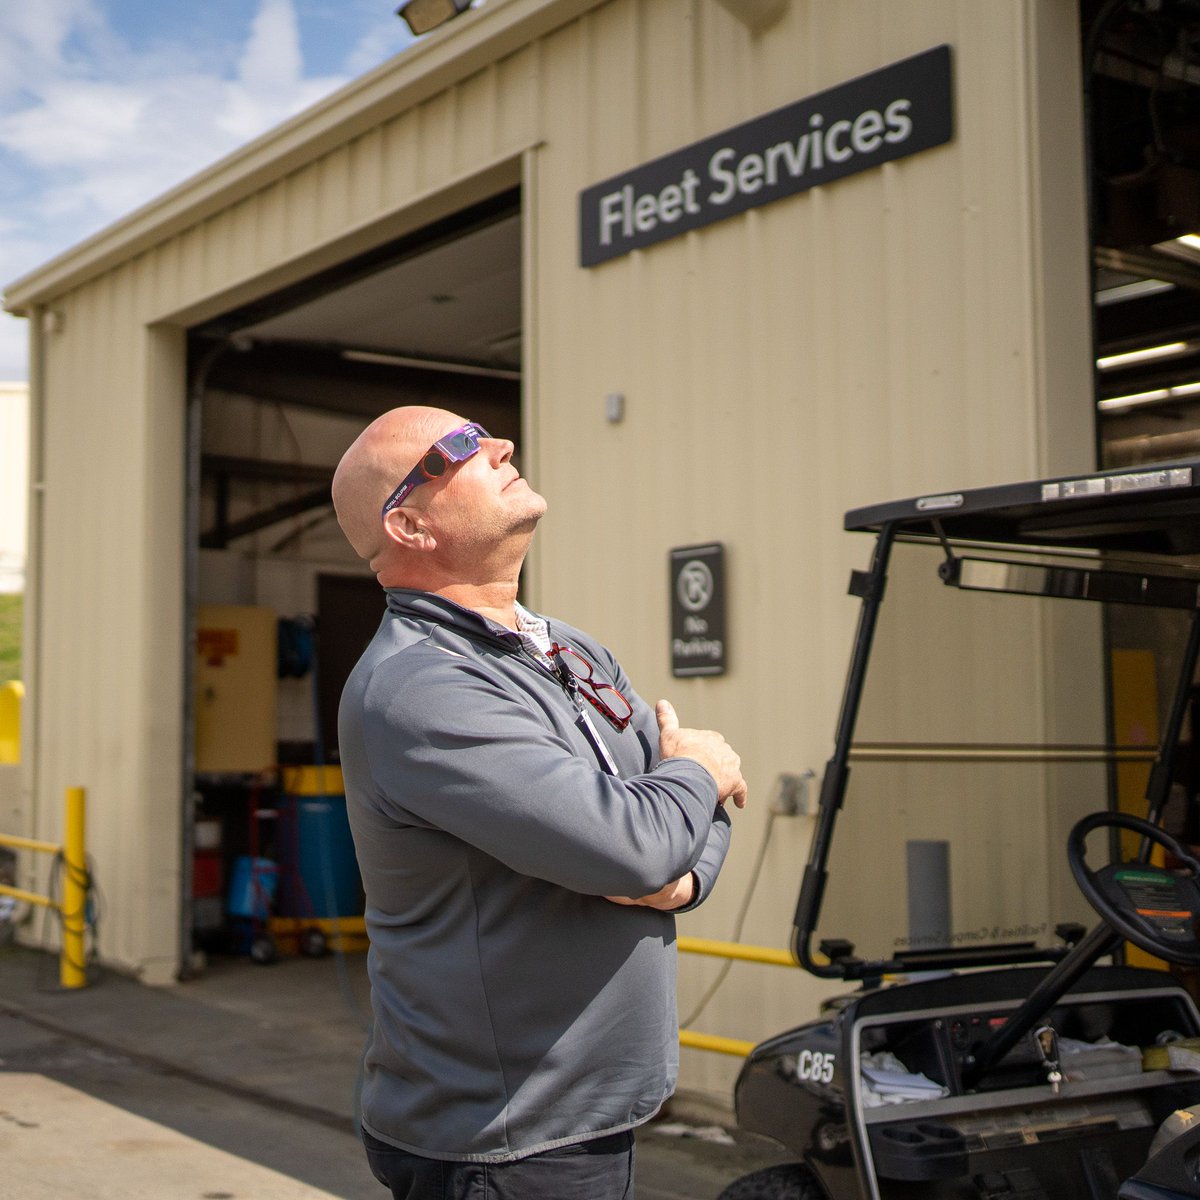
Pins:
<point x="482" y="501"/>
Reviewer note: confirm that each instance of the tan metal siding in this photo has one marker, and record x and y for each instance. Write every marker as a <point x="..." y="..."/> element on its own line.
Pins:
<point x="110" y="685"/>
<point x="872" y="338"/>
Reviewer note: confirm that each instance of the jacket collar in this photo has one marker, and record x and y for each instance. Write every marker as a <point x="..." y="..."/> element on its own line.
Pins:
<point x="425" y="606"/>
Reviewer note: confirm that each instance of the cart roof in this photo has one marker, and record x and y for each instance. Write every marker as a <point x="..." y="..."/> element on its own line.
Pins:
<point x="1153" y="510"/>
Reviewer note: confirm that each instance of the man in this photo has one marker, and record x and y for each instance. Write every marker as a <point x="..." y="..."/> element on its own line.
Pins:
<point x="525" y="826"/>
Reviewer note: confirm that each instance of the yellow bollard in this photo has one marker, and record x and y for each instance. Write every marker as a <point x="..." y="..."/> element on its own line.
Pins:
<point x="72" y="970"/>
<point x="11" y="695"/>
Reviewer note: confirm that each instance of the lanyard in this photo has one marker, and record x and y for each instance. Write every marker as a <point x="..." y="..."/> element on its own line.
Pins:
<point x="585" y="721"/>
<point x="535" y="637"/>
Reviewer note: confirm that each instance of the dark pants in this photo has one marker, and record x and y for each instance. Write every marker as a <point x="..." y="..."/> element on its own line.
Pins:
<point x="597" y="1170"/>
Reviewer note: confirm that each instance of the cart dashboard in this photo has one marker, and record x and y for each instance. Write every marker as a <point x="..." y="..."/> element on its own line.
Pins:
<point x="1020" y="1134"/>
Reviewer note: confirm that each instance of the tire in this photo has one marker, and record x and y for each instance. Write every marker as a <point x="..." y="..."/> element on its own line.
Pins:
<point x="263" y="949"/>
<point x="314" y="943"/>
<point x="786" y="1181"/>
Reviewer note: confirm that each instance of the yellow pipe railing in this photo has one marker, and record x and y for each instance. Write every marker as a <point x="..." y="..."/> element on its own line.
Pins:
<point x="712" y="1041"/>
<point x="72" y="966"/>
<point x="736" y="950"/>
<point x="740" y="953"/>
<point x="21" y="843"/>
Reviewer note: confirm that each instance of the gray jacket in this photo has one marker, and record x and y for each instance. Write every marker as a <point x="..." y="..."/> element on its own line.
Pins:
<point x="515" y="1009"/>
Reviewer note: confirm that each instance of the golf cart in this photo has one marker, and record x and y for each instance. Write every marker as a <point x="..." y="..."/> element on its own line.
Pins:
<point x="989" y="1053"/>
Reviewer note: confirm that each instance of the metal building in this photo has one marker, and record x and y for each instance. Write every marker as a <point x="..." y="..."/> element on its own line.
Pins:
<point x="723" y="268"/>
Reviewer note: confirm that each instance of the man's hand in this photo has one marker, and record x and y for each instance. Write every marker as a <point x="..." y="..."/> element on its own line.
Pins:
<point x="674" y="895"/>
<point x="705" y="746"/>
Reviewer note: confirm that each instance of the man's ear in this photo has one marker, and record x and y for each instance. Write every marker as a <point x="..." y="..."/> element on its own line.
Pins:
<point x="406" y="529"/>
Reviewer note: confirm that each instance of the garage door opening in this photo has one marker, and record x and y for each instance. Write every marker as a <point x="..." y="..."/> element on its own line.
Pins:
<point x="279" y="605"/>
<point x="1141" y="65"/>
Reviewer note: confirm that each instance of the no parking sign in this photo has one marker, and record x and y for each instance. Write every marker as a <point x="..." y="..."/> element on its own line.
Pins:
<point x="698" y="638"/>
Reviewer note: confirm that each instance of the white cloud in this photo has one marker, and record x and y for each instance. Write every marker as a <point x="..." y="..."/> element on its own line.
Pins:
<point x="75" y="123"/>
<point x="384" y="37"/>
<point x="33" y="36"/>
<point x="271" y="58"/>
<point x="114" y="137"/>
<point x="91" y="128"/>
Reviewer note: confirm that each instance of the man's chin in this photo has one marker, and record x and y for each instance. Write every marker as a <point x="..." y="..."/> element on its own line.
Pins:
<point x="537" y="503"/>
<point x="529" y="515"/>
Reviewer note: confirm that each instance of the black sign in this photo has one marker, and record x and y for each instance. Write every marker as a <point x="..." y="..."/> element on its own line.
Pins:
<point x="874" y="119"/>
<point x="698" y="641"/>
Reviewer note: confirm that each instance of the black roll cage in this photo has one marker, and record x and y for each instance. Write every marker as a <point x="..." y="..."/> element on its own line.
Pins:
<point x="1112" y="536"/>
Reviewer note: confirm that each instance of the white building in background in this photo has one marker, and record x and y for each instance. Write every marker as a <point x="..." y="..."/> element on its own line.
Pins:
<point x="14" y="473"/>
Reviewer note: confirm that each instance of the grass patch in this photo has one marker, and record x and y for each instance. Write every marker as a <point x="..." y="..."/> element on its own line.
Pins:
<point x="10" y="637"/>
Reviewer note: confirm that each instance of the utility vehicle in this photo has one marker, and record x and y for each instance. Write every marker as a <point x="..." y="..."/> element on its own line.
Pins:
<point x="997" y="1048"/>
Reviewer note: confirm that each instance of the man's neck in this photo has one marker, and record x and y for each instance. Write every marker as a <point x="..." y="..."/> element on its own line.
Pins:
<point x="495" y="601"/>
<point x="487" y="585"/>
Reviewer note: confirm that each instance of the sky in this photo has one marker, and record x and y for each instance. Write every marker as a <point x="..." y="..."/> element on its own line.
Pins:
<point x="105" y="104"/>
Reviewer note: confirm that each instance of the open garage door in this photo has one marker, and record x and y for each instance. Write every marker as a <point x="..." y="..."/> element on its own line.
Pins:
<point x="1142" y="86"/>
<point x="281" y="608"/>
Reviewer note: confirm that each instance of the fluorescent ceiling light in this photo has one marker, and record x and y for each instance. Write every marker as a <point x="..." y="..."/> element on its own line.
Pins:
<point x="1131" y="291"/>
<point x="1157" y="396"/>
<point x="1186" y="247"/>
<point x="1146" y="354"/>
<point x="429" y="364"/>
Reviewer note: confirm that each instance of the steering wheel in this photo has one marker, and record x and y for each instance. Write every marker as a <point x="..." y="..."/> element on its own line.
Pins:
<point x="1156" y="909"/>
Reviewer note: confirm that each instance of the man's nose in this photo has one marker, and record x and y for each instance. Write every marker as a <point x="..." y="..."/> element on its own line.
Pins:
<point x="500" y="450"/>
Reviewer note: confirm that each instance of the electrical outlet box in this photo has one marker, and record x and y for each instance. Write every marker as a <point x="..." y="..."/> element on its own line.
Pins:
<point x="791" y="795"/>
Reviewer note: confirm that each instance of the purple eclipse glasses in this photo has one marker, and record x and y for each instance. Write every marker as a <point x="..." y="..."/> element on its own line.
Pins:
<point x="457" y="446"/>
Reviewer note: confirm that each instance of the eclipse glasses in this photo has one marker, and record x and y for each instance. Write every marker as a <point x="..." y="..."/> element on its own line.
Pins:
<point x="457" y="446"/>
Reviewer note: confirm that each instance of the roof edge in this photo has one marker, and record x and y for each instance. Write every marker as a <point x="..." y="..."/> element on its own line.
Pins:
<point x="441" y="59"/>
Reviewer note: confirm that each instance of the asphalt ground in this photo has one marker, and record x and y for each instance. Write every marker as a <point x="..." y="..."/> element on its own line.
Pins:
<point x="238" y="1085"/>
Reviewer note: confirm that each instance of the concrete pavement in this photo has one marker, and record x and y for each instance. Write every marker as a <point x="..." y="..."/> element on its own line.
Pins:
<point x="238" y="1084"/>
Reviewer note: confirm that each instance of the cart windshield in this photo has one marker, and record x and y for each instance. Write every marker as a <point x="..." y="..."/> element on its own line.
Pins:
<point x="999" y="707"/>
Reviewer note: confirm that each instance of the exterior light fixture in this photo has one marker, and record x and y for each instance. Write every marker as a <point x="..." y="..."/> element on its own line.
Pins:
<point x="424" y="15"/>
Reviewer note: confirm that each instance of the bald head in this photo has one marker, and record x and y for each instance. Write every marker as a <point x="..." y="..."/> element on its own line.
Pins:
<point x="375" y="463"/>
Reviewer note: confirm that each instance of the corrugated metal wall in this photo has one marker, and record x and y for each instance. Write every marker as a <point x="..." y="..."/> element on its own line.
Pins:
<point x="918" y="326"/>
<point x="887" y="334"/>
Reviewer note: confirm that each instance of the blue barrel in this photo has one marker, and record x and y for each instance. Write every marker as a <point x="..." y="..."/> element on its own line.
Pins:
<point x="319" y="871"/>
<point x="252" y="887"/>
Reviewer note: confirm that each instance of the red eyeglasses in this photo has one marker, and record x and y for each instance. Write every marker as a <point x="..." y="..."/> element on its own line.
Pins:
<point x="574" y="667"/>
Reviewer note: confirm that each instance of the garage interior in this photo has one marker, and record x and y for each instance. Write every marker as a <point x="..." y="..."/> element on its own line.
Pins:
<point x="281" y="607"/>
<point x="1142" y="90"/>
<point x="1142" y="104"/>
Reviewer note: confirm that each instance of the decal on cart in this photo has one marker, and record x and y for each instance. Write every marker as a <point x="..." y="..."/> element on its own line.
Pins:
<point x="815" y="1066"/>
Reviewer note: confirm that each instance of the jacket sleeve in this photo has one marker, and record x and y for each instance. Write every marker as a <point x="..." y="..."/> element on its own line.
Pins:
<point x="716" y="846"/>
<point x="450" y="747"/>
<point x="711" y="860"/>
